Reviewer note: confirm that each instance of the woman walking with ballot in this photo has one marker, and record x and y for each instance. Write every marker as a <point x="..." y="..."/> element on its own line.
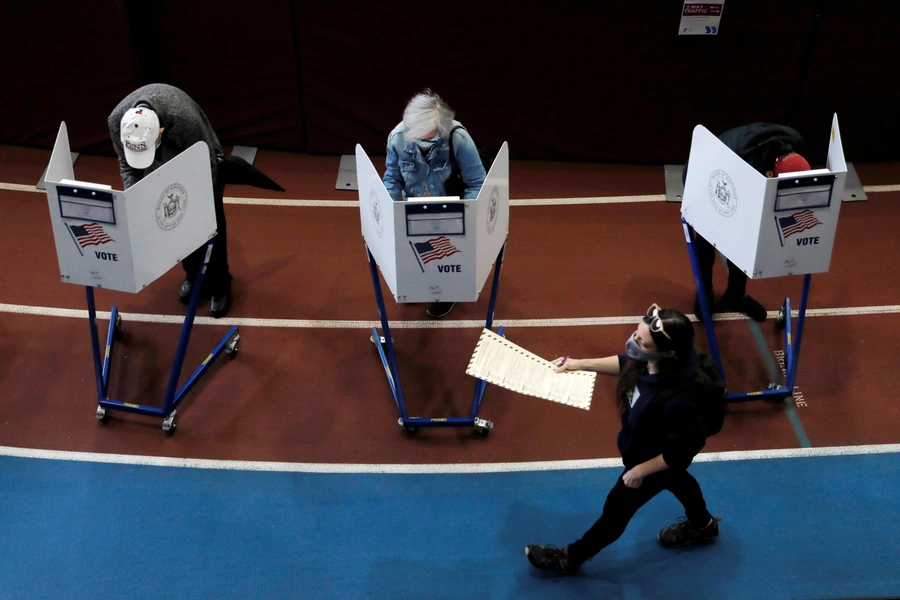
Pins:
<point x="663" y="395"/>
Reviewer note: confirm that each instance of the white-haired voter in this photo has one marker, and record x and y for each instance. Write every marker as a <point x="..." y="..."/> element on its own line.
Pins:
<point x="150" y="127"/>
<point x="431" y="154"/>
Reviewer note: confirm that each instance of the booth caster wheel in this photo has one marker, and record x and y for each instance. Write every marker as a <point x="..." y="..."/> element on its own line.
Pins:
<point x="117" y="327"/>
<point x="168" y="424"/>
<point x="410" y="430"/>
<point x="483" y="427"/>
<point x="778" y="386"/>
<point x="231" y="348"/>
<point x="102" y="415"/>
<point x="781" y="319"/>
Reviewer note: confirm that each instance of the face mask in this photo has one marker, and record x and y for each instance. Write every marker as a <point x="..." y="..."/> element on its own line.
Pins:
<point x="637" y="353"/>
<point x="426" y="144"/>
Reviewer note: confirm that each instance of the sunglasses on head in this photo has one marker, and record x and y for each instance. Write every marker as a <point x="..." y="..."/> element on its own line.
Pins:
<point x="656" y="324"/>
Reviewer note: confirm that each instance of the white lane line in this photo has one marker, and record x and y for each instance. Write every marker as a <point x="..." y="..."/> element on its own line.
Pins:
<point x="870" y="189"/>
<point x="523" y="202"/>
<point x="597" y="200"/>
<point x="403" y="469"/>
<point x="429" y="324"/>
<point x="15" y="187"/>
<point x="284" y="202"/>
<point x="874" y="189"/>
<point x="355" y="203"/>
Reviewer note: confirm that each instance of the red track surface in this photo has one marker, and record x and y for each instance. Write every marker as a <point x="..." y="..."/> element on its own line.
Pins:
<point x="320" y="395"/>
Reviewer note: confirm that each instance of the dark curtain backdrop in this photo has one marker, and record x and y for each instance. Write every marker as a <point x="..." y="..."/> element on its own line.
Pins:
<point x="606" y="81"/>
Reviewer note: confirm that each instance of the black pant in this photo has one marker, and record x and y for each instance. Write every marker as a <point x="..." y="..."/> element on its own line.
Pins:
<point x="622" y="502"/>
<point x="706" y="257"/>
<point x="217" y="276"/>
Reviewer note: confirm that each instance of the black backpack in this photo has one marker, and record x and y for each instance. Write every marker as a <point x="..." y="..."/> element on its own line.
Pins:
<point x="759" y="144"/>
<point x="455" y="186"/>
<point x="711" y="392"/>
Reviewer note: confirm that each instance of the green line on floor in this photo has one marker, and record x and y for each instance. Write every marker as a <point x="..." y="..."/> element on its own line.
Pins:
<point x="775" y="375"/>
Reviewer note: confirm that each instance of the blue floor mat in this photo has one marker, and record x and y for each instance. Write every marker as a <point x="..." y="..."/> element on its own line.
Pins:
<point x="820" y="527"/>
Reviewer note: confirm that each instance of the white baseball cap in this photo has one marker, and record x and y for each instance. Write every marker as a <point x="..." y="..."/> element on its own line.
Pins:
<point x="140" y="130"/>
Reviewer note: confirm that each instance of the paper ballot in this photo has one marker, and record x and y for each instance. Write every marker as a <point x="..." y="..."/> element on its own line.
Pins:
<point x="499" y="361"/>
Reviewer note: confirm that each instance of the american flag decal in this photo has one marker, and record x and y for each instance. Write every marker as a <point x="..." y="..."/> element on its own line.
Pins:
<point x="91" y="234"/>
<point x="435" y="249"/>
<point x="797" y="222"/>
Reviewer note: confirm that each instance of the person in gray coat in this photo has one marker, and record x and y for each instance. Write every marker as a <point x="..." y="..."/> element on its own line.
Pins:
<point x="150" y="127"/>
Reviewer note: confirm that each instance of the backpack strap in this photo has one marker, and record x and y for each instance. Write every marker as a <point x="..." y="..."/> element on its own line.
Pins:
<point x="450" y="141"/>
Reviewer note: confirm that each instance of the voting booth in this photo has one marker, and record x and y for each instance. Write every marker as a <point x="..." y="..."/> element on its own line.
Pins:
<point x="767" y="227"/>
<point x="433" y="250"/>
<point x="126" y="240"/>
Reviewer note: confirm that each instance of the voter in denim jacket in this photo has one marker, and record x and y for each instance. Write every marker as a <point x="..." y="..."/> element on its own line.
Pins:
<point x="418" y="152"/>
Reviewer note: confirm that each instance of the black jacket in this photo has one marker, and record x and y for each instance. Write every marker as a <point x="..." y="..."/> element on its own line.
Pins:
<point x="673" y="428"/>
<point x="759" y="144"/>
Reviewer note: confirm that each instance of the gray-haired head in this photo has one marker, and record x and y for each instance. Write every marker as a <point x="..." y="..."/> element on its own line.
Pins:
<point x="425" y="113"/>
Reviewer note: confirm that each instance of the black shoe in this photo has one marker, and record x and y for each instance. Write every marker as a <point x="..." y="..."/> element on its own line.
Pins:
<point x="746" y="305"/>
<point x="184" y="294"/>
<point x="219" y="305"/>
<point x="682" y="534"/>
<point x="551" y="558"/>
<point x="439" y="309"/>
<point x="697" y="310"/>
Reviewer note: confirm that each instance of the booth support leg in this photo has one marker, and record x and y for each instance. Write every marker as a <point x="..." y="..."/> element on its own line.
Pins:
<point x="793" y="353"/>
<point x="95" y="342"/>
<point x="387" y="368"/>
<point x="114" y="324"/>
<point x="390" y="361"/>
<point x="227" y="344"/>
<point x="494" y="287"/>
<point x="788" y="349"/>
<point x="483" y="426"/>
<point x="701" y="295"/>
<point x="184" y="339"/>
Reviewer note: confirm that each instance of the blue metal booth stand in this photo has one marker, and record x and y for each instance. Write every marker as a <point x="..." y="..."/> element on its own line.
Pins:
<point x="173" y="397"/>
<point x="768" y="226"/>
<point x="402" y="238"/>
<point x="385" y="346"/>
<point x="776" y="390"/>
<point x="124" y="241"/>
